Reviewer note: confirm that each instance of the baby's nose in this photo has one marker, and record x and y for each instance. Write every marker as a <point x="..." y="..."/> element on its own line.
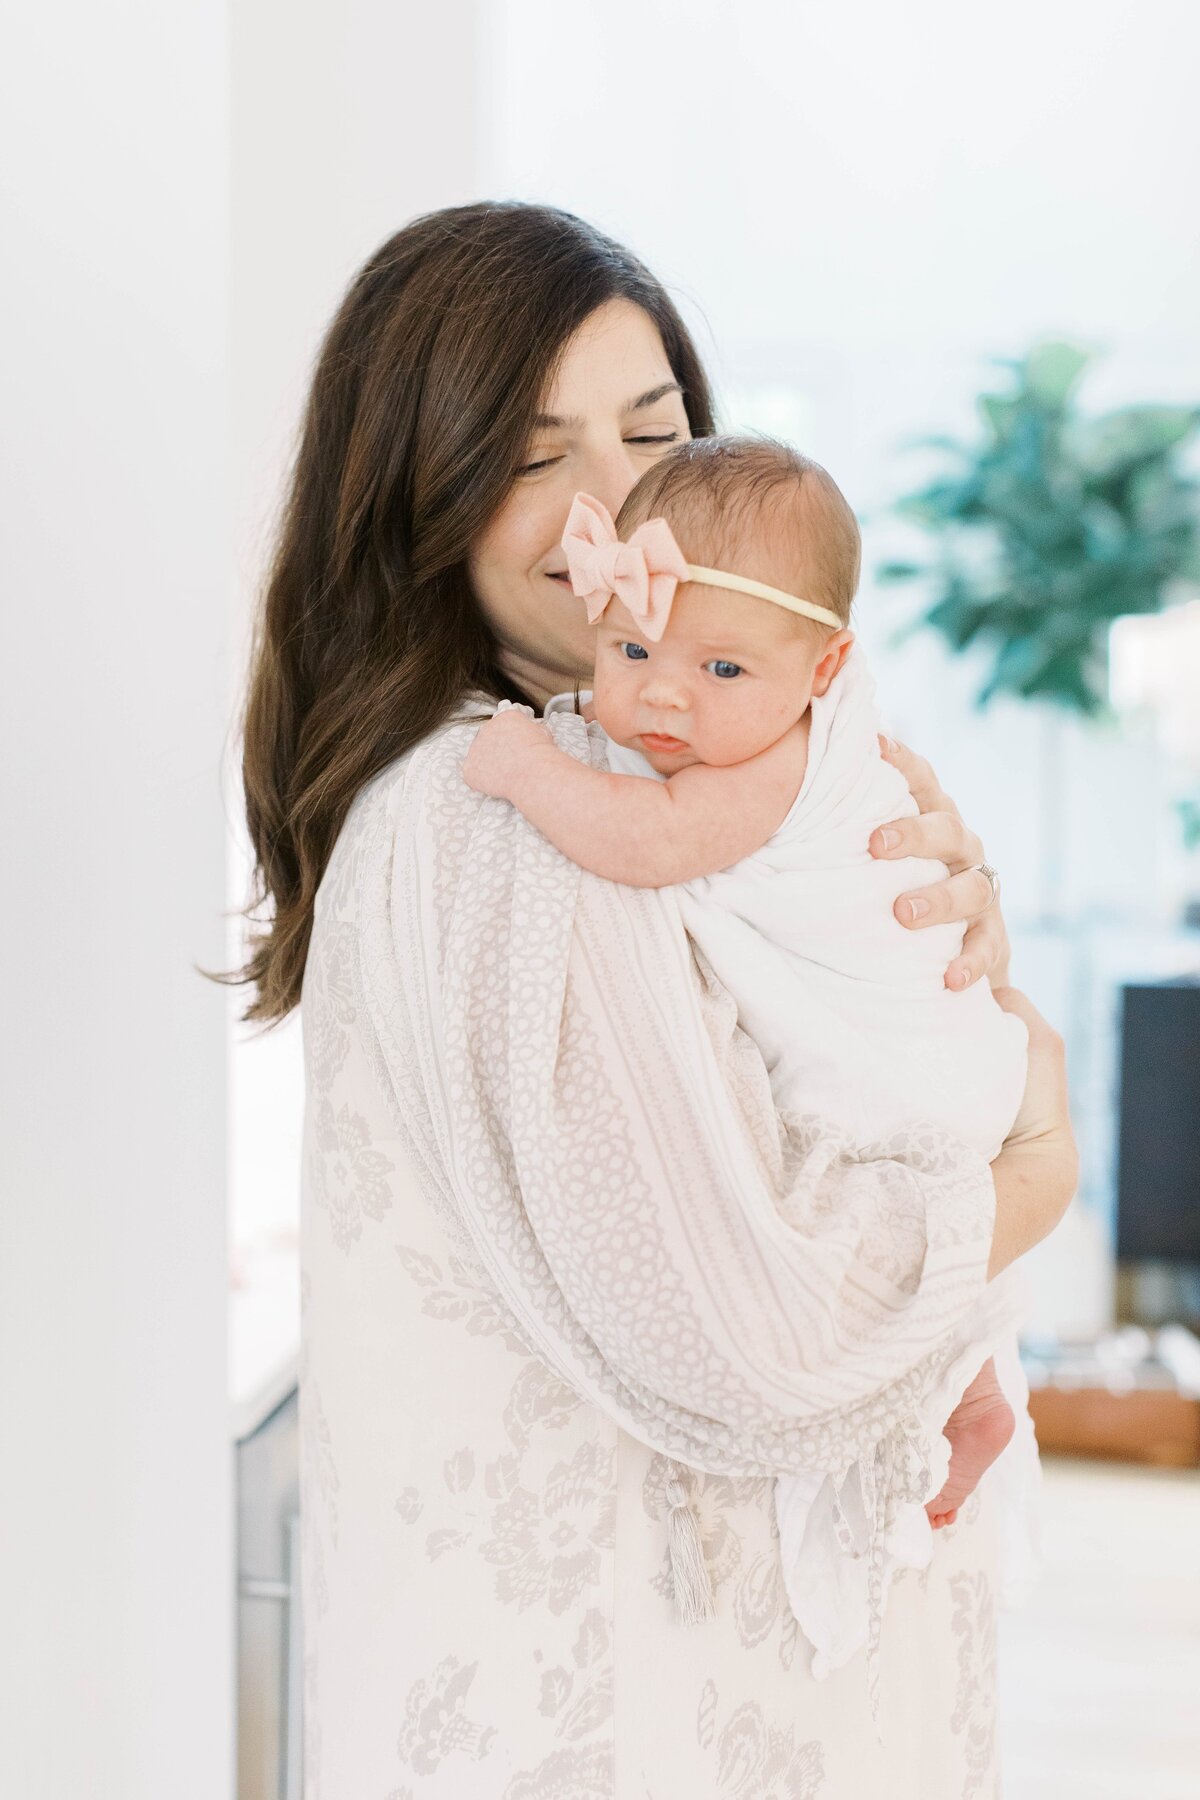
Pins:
<point x="660" y="689"/>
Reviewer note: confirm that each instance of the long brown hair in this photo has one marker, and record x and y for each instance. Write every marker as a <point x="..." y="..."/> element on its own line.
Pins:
<point x="419" y="416"/>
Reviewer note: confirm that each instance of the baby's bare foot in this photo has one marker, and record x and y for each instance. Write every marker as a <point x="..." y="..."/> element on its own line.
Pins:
<point x="978" y="1429"/>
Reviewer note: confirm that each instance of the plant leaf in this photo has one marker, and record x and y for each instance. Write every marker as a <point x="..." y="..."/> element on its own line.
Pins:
<point x="1051" y="371"/>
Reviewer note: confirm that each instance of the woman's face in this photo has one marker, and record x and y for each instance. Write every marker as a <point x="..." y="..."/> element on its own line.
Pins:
<point x="613" y="409"/>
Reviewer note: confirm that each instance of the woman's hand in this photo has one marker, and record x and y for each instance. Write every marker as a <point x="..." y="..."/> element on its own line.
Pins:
<point x="938" y="831"/>
<point x="1037" y="1170"/>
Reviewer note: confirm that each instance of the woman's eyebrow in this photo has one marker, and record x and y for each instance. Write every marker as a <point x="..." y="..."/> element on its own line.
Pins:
<point x="553" y="422"/>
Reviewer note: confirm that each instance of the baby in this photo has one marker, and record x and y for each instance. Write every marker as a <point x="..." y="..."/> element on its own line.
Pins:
<point x="745" y="770"/>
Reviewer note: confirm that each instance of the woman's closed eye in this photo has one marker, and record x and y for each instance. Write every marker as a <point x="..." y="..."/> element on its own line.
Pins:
<point x="547" y="462"/>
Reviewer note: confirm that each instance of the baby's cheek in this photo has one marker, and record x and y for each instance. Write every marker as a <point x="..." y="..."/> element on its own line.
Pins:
<point x="611" y="711"/>
<point x="738" y="732"/>
<point x="789" y="711"/>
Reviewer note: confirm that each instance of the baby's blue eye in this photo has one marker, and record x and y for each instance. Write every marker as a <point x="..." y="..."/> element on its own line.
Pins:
<point x="628" y="644"/>
<point x="722" y="664"/>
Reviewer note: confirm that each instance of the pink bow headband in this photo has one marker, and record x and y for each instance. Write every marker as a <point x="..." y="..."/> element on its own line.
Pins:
<point x="644" y="570"/>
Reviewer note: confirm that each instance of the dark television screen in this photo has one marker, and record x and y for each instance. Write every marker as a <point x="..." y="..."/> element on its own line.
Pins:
<point x="1158" y="1162"/>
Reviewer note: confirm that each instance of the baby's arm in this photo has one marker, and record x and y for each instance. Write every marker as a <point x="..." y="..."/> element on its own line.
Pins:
<point x="628" y="828"/>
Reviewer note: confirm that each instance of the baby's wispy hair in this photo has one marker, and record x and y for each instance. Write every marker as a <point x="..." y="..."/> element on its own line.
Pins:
<point x="755" y="506"/>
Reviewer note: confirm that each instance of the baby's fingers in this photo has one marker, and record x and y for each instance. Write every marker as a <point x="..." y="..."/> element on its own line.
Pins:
<point x="483" y="759"/>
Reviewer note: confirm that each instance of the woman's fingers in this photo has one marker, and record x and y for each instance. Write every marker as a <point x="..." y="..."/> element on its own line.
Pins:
<point x="967" y="895"/>
<point x="941" y="835"/>
<point x="923" y="784"/>
<point x="958" y="897"/>
<point x="938" y="833"/>
<point x="985" y="951"/>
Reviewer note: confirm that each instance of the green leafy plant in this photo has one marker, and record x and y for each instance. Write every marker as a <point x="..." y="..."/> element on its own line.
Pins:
<point x="1051" y="526"/>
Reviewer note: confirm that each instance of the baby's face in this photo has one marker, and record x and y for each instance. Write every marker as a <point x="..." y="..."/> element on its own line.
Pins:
<point x="728" y="677"/>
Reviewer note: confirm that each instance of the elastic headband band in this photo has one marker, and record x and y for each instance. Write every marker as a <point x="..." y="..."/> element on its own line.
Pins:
<point x="744" y="585"/>
<point x="644" y="571"/>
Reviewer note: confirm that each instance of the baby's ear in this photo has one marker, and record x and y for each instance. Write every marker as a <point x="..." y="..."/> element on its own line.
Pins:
<point x="837" y="649"/>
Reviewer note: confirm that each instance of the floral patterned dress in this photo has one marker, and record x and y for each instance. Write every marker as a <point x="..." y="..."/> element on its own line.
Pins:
<point x="487" y="1597"/>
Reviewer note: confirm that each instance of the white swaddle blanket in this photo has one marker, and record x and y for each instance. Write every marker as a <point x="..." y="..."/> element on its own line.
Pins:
<point x="855" y="1023"/>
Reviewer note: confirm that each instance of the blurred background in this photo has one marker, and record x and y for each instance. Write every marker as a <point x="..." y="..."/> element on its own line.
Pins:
<point x="952" y="254"/>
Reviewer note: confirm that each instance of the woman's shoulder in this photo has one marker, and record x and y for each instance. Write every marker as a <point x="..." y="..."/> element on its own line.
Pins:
<point x="472" y="708"/>
<point x="370" y="826"/>
<point x="473" y="703"/>
<point x="419" y="797"/>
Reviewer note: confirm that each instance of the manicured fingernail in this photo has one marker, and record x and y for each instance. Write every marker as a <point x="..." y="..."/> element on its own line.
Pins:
<point x="889" y="839"/>
<point x="918" y="908"/>
<point x="960" y="978"/>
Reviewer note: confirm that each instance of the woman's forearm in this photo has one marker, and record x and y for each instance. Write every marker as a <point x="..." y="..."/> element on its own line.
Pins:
<point x="1034" y="1185"/>
<point x="1037" y="1171"/>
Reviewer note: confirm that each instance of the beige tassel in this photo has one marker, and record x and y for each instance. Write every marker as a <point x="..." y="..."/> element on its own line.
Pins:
<point x="689" y="1571"/>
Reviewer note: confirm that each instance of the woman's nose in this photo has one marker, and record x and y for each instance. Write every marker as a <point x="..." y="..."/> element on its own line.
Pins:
<point x="609" y="473"/>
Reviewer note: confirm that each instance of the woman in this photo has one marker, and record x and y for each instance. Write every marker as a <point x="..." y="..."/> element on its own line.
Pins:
<point x="489" y="1591"/>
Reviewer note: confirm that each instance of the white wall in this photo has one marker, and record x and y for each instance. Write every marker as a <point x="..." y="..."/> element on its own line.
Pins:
<point x="190" y="194"/>
<point x="116" y="1554"/>
<point x="347" y="122"/>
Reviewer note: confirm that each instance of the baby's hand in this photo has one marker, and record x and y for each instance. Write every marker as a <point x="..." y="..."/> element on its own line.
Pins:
<point x="500" y="750"/>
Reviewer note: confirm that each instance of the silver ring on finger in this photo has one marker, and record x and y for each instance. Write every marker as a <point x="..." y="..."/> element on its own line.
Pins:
<point x="993" y="881"/>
